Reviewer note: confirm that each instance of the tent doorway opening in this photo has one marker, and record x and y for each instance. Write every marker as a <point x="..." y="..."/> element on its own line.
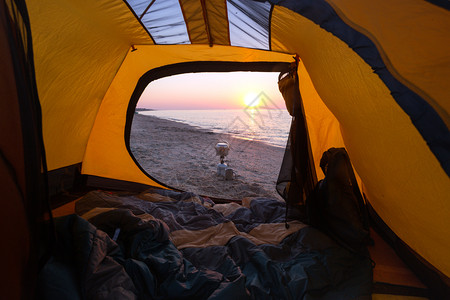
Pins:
<point x="179" y="120"/>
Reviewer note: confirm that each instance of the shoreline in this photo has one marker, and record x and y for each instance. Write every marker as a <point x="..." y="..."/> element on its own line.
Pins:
<point x="183" y="156"/>
<point x="239" y="123"/>
<point x="234" y="136"/>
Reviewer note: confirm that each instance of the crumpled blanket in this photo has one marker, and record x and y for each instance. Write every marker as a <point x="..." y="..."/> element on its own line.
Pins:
<point x="173" y="245"/>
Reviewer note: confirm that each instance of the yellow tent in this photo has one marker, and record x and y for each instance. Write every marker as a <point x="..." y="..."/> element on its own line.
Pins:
<point x="373" y="77"/>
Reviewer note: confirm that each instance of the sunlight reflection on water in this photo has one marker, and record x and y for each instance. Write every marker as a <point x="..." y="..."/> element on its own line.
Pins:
<point x="269" y="126"/>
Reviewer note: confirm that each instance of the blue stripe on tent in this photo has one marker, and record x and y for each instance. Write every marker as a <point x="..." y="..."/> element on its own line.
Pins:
<point x="442" y="3"/>
<point x="426" y="120"/>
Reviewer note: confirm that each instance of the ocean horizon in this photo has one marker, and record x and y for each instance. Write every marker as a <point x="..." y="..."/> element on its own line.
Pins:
<point x="270" y="126"/>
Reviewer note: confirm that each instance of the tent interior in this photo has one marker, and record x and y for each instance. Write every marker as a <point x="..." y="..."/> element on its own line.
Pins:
<point x="373" y="78"/>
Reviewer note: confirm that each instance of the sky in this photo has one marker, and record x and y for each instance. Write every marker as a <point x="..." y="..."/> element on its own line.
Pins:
<point x="233" y="90"/>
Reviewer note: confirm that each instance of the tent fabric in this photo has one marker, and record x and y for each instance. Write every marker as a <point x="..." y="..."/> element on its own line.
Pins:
<point x="372" y="75"/>
<point x="217" y="17"/>
<point x="202" y="17"/>
<point x="118" y="163"/>
<point x="249" y="23"/>
<point x="23" y="187"/>
<point x="12" y="177"/>
<point x="405" y="53"/>
<point x="374" y="129"/>
<point x="297" y="177"/>
<point x="78" y="46"/>
<point x="195" y="22"/>
<point x="163" y="19"/>
<point x="432" y="126"/>
<point x="441" y="3"/>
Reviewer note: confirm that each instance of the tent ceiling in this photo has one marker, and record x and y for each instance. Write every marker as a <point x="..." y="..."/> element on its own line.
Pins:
<point x="249" y="23"/>
<point x="168" y="21"/>
<point x="163" y="19"/>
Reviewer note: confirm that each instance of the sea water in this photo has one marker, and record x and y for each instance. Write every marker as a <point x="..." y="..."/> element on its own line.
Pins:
<point x="266" y="125"/>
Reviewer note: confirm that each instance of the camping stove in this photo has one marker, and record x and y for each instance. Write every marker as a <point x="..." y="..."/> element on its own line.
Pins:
<point x="223" y="170"/>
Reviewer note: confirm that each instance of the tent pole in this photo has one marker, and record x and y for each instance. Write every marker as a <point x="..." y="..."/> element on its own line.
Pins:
<point x="145" y="11"/>
<point x="205" y="18"/>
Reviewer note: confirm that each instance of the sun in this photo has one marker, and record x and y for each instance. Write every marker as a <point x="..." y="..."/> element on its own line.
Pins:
<point x="251" y="99"/>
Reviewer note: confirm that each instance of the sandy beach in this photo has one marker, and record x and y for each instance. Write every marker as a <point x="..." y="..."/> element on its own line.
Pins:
<point x="183" y="157"/>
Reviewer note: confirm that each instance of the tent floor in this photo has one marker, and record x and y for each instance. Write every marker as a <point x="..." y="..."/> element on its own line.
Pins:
<point x="392" y="278"/>
<point x="391" y="275"/>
